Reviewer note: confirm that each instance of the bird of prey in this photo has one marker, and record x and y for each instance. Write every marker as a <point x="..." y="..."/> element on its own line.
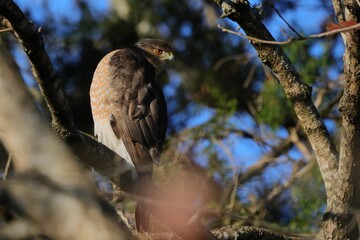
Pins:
<point x="129" y="109"/>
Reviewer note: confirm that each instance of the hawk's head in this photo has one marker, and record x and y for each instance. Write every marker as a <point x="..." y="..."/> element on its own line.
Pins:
<point x="156" y="51"/>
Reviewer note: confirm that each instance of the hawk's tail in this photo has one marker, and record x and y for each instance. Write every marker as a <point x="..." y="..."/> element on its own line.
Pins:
<point x="142" y="216"/>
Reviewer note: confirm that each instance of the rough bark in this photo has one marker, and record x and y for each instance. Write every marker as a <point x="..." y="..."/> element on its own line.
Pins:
<point x="230" y="233"/>
<point x="349" y="106"/>
<point x="246" y="233"/>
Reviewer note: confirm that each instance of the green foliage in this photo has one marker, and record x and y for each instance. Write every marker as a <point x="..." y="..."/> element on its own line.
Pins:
<point x="275" y="109"/>
<point x="308" y="66"/>
<point x="226" y="105"/>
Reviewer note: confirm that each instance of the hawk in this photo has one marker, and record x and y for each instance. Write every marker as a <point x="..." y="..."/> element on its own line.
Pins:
<point x="129" y="109"/>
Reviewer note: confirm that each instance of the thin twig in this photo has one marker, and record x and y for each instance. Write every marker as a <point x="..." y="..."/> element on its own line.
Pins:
<point x="288" y="24"/>
<point x="5" y="30"/>
<point x="7" y="167"/>
<point x="296" y="174"/>
<point x="319" y="35"/>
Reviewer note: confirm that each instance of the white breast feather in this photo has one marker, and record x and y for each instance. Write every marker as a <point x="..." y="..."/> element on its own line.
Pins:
<point x="106" y="135"/>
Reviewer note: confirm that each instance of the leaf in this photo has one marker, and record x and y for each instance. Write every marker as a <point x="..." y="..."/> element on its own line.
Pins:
<point x="340" y="25"/>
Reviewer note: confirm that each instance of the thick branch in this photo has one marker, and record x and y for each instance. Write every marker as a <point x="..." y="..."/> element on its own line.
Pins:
<point x="30" y="38"/>
<point x="229" y="233"/>
<point x="297" y="92"/>
<point x="246" y="233"/>
<point x="349" y="106"/>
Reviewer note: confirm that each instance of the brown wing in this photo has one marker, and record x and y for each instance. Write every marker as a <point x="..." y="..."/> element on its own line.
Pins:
<point x="138" y="107"/>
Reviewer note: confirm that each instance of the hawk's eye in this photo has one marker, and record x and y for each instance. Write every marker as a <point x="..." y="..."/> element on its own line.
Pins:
<point x="159" y="51"/>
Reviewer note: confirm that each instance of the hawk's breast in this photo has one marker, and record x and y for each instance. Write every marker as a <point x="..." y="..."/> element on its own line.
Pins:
<point x="100" y="91"/>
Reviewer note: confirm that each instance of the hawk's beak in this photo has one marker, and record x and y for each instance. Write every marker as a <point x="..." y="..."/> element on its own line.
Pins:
<point x="170" y="57"/>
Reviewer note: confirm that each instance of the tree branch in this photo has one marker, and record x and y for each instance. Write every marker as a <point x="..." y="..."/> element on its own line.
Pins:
<point x="319" y="35"/>
<point x="349" y="107"/>
<point x="296" y="91"/>
<point x="50" y="86"/>
<point x="246" y="233"/>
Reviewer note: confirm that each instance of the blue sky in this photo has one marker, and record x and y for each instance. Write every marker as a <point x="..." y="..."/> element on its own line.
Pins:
<point x="61" y="8"/>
